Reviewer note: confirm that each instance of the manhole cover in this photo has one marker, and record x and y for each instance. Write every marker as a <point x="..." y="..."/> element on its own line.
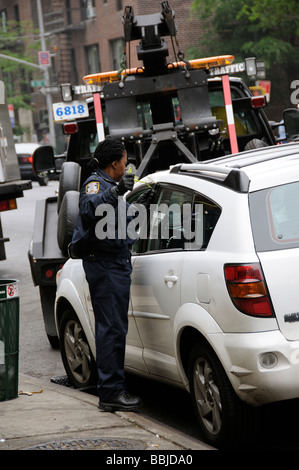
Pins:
<point x="91" y="444"/>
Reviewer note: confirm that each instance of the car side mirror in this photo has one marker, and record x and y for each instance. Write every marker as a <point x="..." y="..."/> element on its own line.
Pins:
<point x="44" y="160"/>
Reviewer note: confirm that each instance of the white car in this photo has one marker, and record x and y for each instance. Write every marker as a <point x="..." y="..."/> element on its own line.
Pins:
<point x="217" y="314"/>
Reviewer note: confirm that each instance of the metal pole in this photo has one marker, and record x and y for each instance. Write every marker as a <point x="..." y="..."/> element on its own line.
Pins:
<point x="46" y="74"/>
<point x="229" y="114"/>
<point x="20" y="61"/>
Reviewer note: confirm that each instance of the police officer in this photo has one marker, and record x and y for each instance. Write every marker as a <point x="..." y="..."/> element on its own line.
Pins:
<point x="107" y="265"/>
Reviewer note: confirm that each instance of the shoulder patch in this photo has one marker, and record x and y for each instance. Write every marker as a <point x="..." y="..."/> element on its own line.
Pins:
<point x="92" y="188"/>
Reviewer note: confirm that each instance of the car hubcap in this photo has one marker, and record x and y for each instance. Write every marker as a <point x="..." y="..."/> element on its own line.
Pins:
<point x="207" y="396"/>
<point x="77" y="352"/>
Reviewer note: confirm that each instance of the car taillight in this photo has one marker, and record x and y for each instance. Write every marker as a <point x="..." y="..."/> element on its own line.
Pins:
<point x="8" y="205"/>
<point x="26" y="159"/>
<point x="248" y="290"/>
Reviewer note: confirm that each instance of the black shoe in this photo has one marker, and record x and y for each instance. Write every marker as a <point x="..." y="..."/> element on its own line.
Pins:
<point x="123" y="402"/>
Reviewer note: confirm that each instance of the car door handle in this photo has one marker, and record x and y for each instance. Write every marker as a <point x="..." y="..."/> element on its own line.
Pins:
<point x="170" y="280"/>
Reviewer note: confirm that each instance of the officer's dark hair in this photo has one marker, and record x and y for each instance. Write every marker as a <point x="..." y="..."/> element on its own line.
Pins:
<point x="107" y="152"/>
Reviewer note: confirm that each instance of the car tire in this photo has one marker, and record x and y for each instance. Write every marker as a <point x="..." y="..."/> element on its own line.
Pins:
<point x="69" y="180"/>
<point x="67" y="218"/>
<point x="75" y="352"/>
<point x="223" y="418"/>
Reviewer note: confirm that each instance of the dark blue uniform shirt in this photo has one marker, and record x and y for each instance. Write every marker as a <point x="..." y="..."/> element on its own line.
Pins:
<point x="87" y="245"/>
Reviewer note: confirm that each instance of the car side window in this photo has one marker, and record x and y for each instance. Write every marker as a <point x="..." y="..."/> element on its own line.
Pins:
<point x="181" y="220"/>
<point x="176" y="220"/>
<point x="206" y="214"/>
<point x="138" y="245"/>
<point x="166" y="228"/>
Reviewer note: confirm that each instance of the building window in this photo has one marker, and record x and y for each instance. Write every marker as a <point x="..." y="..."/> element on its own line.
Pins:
<point x="88" y="9"/>
<point x="17" y="13"/>
<point x="119" y="5"/>
<point x="74" y="73"/>
<point x="116" y="50"/>
<point x="93" y="59"/>
<point x="68" y="11"/>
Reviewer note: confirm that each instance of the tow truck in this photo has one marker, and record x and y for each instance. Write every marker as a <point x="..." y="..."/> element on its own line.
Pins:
<point x="166" y="113"/>
<point x="11" y="184"/>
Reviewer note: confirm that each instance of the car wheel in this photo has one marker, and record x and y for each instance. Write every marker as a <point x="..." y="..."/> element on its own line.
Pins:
<point x="75" y="352"/>
<point x="222" y="417"/>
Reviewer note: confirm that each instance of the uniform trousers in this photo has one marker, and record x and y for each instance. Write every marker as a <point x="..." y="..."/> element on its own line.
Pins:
<point x="109" y="285"/>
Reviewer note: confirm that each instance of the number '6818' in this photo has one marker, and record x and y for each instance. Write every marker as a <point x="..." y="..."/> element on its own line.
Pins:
<point x="70" y="110"/>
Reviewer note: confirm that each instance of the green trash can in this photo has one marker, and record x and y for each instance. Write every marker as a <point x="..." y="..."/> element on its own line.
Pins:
<point x="9" y="338"/>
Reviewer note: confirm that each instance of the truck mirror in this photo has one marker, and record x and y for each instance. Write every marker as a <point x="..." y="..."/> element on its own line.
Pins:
<point x="43" y="159"/>
<point x="291" y="121"/>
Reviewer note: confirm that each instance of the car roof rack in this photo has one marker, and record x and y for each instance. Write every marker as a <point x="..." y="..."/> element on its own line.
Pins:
<point x="232" y="178"/>
<point x="230" y="174"/>
<point x="256" y="156"/>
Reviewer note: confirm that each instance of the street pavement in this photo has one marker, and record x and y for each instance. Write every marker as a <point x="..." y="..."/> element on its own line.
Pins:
<point x="49" y="416"/>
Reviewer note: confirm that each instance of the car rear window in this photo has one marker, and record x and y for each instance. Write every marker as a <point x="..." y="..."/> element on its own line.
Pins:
<point x="275" y="217"/>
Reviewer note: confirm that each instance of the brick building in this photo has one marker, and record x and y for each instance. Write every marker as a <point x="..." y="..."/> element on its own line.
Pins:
<point x="86" y="36"/>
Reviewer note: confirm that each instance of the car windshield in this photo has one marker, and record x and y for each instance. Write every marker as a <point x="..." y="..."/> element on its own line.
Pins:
<point x="275" y="217"/>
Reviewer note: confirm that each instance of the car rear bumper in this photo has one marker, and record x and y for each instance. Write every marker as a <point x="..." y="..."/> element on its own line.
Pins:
<point x="262" y="367"/>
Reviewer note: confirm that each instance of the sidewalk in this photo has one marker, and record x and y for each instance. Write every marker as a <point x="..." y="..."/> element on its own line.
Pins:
<point x="48" y="416"/>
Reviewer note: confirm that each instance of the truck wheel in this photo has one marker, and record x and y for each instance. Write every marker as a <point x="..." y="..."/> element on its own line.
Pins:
<point x="67" y="219"/>
<point x="221" y="415"/>
<point x="69" y="180"/>
<point x="76" y="355"/>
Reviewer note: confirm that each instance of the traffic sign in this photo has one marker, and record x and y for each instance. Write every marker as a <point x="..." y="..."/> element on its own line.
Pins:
<point x="37" y="83"/>
<point x="227" y="69"/>
<point x="44" y="58"/>
<point x="49" y="89"/>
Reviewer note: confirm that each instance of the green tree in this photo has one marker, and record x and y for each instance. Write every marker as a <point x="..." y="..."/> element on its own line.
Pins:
<point x="18" y="40"/>
<point x="265" y="29"/>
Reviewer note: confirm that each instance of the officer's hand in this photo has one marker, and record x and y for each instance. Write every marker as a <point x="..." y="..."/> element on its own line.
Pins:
<point x="146" y="198"/>
<point x="125" y="184"/>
